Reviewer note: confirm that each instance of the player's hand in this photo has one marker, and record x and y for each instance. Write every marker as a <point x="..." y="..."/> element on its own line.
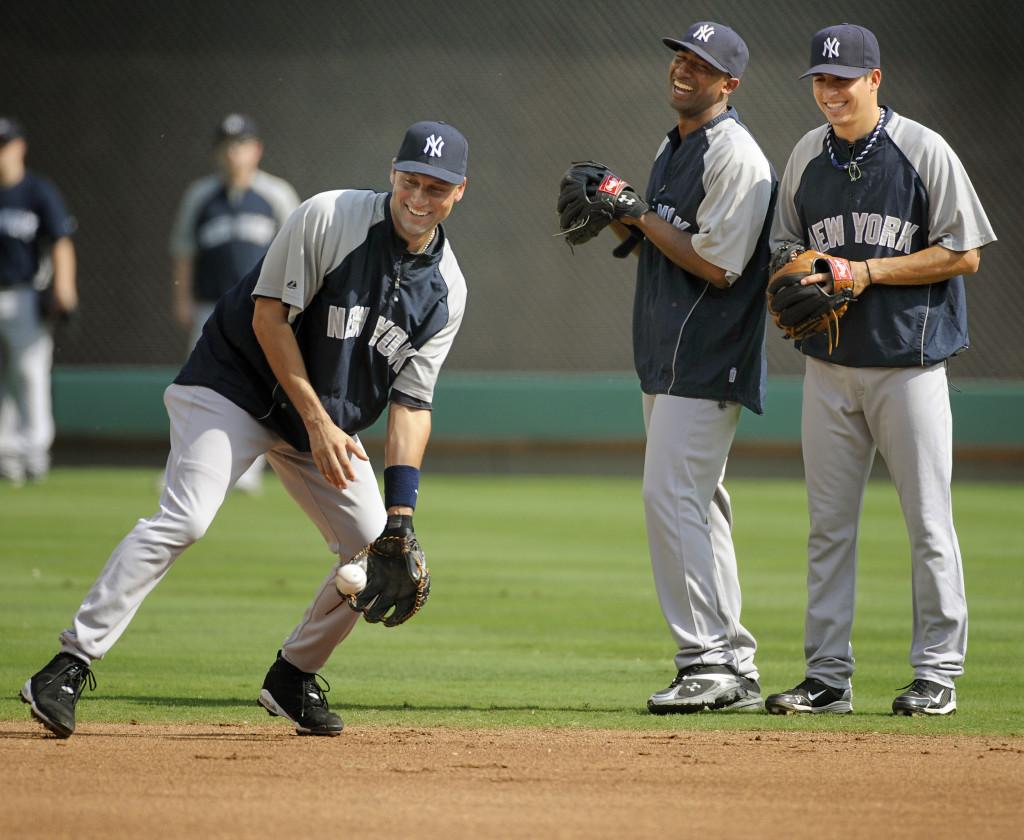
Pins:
<point x="332" y="452"/>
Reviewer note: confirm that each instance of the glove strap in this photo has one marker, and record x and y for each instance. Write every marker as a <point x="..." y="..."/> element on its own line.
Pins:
<point x="401" y="486"/>
<point x="399" y="522"/>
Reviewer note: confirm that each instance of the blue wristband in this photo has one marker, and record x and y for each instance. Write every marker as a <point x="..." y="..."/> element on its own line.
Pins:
<point x="401" y="486"/>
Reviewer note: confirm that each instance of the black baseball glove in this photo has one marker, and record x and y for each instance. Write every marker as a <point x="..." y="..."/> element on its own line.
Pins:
<point x="590" y="198"/>
<point x="802" y="311"/>
<point x="397" y="577"/>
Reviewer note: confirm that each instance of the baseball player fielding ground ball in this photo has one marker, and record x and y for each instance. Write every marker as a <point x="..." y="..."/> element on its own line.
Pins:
<point x="890" y="204"/>
<point x="698" y="345"/>
<point x="352" y="311"/>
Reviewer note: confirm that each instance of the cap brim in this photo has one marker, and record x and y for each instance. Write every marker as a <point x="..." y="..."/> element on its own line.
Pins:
<point x="676" y="44"/>
<point x="840" y="70"/>
<point x="433" y="171"/>
<point x="243" y="135"/>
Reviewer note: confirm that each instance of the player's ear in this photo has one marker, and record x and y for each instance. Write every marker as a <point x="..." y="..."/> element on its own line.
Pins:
<point x="875" y="79"/>
<point x="730" y="85"/>
<point x="391" y="177"/>
<point x="461" y="189"/>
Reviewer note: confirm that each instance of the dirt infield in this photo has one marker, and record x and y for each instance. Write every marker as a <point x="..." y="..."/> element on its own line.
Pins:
<point x="231" y="781"/>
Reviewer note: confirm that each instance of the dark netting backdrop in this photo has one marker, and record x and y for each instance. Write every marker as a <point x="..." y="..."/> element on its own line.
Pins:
<point x="120" y="100"/>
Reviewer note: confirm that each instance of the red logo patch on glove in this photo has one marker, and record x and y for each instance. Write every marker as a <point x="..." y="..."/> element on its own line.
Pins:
<point x="612" y="184"/>
<point x="841" y="269"/>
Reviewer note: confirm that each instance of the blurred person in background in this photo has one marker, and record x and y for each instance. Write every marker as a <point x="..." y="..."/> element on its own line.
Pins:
<point x="37" y="287"/>
<point x="225" y="223"/>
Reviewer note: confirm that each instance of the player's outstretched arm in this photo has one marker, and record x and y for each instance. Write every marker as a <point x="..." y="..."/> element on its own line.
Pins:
<point x="922" y="267"/>
<point x="330" y="447"/>
<point x="406" y="442"/>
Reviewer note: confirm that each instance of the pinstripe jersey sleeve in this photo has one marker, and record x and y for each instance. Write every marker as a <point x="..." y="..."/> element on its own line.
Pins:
<point x="786" y="226"/>
<point x="956" y="219"/>
<point x="321" y="232"/>
<point x="738" y="193"/>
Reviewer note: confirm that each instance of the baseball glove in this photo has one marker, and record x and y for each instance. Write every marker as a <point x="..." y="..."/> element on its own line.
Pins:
<point x="397" y="577"/>
<point x="590" y="198"/>
<point x="802" y="311"/>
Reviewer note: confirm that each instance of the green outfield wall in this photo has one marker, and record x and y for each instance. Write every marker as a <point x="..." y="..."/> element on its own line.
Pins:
<point x="586" y="409"/>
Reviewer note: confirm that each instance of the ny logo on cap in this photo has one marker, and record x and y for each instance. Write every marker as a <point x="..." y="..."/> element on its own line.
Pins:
<point x="831" y="48"/>
<point x="704" y="32"/>
<point x="434" y="146"/>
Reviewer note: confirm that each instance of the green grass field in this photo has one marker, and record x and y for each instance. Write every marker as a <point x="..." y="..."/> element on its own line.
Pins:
<point x="543" y="611"/>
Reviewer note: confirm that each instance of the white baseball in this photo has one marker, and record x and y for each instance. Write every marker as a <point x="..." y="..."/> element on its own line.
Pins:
<point x="350" y="579"/>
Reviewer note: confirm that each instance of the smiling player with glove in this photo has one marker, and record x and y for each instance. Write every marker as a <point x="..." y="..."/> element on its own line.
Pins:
<point x="698" y="347"/>
<point x="892" y="206"/>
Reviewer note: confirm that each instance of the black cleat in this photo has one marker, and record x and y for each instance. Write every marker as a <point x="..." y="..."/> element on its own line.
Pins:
<point x="295" y="695"/>
<point x="53" y="692"/>
<point x="713" y="687"/>
<point x="810" y="697"/>
<point x="924" y="697"/>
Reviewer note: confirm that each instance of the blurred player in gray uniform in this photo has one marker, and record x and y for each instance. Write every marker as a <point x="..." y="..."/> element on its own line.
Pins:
<point x="37" y="283"/>
<point x="698" y="339"/>
<point x="225" y="224"/>
<point x="885" y="192"/>
<point x="352" y="311"/>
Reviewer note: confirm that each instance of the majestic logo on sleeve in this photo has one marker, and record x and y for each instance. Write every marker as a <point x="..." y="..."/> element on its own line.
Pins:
<point x="868" y="229"/>
<point x="704" y="32"/>
<point x="434" y="146"/>
<point x="390" y="340"/>
<point x="831" y="48"/>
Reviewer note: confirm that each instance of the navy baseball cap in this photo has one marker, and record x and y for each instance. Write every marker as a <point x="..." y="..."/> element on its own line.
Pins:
<point x="10" y="128"/>
<point x="235" y="127"/>
<point x="717" y="44"/>
<point x="844" y="50"/>
<point x="436" y="149"/>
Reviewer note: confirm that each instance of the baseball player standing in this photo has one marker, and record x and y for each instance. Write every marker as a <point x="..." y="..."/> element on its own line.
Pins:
<point x="698" y="343"/>
<point x="354" y="309"/>
<point x="890" y="195"/>
<point x="225" y="224"/>
<point x="37" y="281"/>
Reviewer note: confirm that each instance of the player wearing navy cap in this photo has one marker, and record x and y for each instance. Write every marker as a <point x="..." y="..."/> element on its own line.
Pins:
<point x="889" y="195"/>
<point x="225" y="224"/>
<point x="353" y="310"/>
<point x="698" y="347"/>
<point x="37" y="283"/>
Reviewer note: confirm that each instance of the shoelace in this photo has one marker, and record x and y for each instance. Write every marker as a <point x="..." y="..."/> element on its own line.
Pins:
<point x="77" y="677"/>
<point x="918" y="687"/>
<point x="310" y="686"/>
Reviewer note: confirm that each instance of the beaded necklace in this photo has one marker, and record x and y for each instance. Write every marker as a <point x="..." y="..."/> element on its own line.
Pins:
<point x="853" y="167"/>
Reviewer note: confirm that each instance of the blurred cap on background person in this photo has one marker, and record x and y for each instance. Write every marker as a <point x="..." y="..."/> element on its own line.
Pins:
<point x="10" y="129"/>
<point x="236" y="127"/>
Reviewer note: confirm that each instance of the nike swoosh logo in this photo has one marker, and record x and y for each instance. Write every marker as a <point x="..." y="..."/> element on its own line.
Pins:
<point x="937" y="698"/>
<point x="813" y="697"/>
